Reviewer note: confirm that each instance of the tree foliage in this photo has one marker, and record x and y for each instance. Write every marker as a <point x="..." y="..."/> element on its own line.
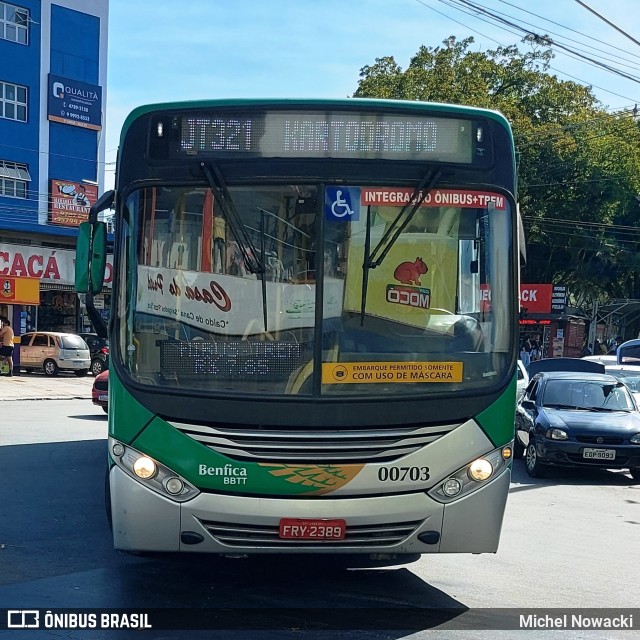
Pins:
<point x="578" y="164"/>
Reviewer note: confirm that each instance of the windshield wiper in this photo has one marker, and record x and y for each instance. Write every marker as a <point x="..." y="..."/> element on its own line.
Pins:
<point x="249" y="253"/>
<point x="219" y="187"/>
<point x="557" y="405"/>
<point x="373" y="259"/>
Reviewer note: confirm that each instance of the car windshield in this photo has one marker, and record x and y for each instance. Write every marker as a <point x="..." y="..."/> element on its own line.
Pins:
<point x="73" y="342"/>
<point x="587" y="394"/>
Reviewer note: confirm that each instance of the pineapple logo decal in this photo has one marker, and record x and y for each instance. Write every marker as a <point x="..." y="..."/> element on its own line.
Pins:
<point x="318" y="478"/>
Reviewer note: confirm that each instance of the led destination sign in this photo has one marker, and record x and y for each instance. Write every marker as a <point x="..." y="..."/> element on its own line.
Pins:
<point x="290" y="134"/>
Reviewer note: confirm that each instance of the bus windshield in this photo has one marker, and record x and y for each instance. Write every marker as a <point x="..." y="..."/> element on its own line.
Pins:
<point x="259" y="289"/>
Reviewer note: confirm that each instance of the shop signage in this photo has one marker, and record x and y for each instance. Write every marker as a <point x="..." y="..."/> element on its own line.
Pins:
<point x="19" y="290"/>
<point x="55" y="266"/>
<point x="559" y="299"/>
<point x="71" y="201"/>
<point x="75" y="103"/>
<point x="534" y="298"/>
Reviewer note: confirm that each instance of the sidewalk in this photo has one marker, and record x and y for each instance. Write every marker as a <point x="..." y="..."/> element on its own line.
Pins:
<point x="37" y="386"/>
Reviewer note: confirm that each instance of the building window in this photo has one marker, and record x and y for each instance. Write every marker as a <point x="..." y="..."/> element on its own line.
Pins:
<point x="13" y="101"/>
<point x="14" y="23"/>
<point x="14" y="179"/>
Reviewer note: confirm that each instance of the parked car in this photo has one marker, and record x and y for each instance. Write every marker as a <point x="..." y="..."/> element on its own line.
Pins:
<point x="100" y="391"/>
<point x="628" y="374"/>
<point x="99" y="348"/>
<point x="575" y="419"/>
<point x="602" y="359"/>
<point x="523" y="380"/>
<point x="53" y="351"/>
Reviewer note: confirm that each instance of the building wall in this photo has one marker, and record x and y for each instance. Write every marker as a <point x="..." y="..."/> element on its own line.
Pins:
<point x="66" y="38"/>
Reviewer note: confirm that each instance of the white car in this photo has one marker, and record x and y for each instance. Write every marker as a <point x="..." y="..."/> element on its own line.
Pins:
<point x="523" y="380"/>
<point x="52" y="351"/>
<point x="602" y="359"/>
<point x="629" y="375"/>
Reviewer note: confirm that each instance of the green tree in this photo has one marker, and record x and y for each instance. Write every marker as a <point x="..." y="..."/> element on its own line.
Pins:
<point x="578" y="169"/>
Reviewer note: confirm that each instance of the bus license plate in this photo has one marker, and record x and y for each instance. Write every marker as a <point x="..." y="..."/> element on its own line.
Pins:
<point x="302" y="529"/>
<point x="599" y="454"/>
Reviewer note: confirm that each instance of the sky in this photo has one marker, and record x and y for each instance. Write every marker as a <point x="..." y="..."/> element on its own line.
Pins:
<point x="162" y="50"/>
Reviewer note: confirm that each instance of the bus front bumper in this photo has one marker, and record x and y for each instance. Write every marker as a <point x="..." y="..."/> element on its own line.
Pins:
<point x="411" y="523"/>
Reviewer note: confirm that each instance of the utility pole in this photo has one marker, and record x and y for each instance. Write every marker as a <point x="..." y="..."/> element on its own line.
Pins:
<point x="592" y="328"/>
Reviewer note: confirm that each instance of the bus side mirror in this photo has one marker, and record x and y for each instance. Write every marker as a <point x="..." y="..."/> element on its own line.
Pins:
<point x="91" y="257"/>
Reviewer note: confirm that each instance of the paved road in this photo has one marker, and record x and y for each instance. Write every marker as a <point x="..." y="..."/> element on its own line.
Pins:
<point x="568" y="541"/>
<point x="37" y="386"/>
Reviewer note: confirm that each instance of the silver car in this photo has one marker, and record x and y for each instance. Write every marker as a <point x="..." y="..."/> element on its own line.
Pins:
<point x="53" y="351"/>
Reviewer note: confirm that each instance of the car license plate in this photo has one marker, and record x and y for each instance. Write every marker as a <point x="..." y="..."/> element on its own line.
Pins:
<point x="303" y="529"/>
<point x="599" y="454"/>
<point x="103" y="398"/>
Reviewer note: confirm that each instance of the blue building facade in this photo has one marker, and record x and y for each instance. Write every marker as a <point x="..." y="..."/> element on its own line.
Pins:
<point x="53" y="59"/>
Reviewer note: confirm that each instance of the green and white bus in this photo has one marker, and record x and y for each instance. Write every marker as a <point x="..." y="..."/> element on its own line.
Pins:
<point x="313" y="327"/>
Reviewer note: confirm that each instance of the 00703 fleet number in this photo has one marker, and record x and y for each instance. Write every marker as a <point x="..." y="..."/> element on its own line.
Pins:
<point x="400" y="474"/>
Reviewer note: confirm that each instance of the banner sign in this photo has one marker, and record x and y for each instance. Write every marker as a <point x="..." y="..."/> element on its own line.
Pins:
<point x="534" y="298"/>
<point x="54" y="266"/>
<point x="204" y="300"/>
<point x="71" y="201"/>
<point x="75" y="103"/>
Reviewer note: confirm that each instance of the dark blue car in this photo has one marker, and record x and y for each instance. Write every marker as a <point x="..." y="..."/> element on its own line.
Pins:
<point x="574" y="419"/>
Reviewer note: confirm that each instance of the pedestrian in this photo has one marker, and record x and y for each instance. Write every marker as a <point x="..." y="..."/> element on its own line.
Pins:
<point x="525" y="352"/>
<point x="536" y="352"/>
<point x="6" y="343"/>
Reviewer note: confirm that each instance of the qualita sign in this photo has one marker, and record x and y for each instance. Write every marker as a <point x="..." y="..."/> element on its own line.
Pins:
<point x="75" y="103"/>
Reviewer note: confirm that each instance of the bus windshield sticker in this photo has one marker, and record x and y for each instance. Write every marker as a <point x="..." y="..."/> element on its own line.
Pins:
<point x="403" y="372"/>
<point x="342" y="204"/>
<point x="401" y="196"/>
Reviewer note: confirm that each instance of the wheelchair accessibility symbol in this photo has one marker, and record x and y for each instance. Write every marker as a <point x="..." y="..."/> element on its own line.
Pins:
<point x="339" y="203"/>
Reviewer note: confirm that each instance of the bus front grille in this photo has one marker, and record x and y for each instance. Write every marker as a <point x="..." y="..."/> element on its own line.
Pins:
<point x="344" y="446"/>
<point x="241" y="535"/>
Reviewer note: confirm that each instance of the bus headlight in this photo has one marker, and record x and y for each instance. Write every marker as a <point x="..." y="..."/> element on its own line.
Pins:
<point x="144" y="468"/>
<point x="151" y="473"/>
<point x="472" y="476"/>
<point x="480" y="470"/>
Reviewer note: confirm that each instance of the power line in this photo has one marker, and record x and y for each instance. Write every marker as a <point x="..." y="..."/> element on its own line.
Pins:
<point x="595" y="13"/>
<point x="564" y="26"/>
